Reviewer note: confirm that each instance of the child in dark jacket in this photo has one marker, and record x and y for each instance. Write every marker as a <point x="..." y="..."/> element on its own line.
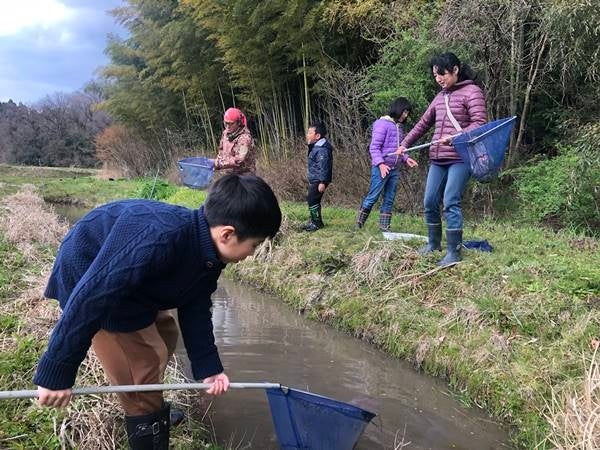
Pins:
<point x="320" y="167"/>
<point x="118" y="272"/>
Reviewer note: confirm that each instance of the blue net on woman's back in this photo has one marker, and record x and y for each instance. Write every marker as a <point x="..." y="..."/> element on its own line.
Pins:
<point x="484" y="148"/>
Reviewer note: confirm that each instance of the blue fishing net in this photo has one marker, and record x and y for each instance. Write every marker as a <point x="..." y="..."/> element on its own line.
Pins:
<point x="484" y="148"/>
<point x="196" y="172"/>
<point x="309" y="421"/>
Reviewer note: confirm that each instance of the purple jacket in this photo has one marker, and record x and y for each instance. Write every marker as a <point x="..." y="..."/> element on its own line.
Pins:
<point x="385" y="139"/>
<point x="467" y="104"/>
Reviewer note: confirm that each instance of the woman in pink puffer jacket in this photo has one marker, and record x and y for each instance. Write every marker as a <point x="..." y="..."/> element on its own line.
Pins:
<point x="458" y="107"/>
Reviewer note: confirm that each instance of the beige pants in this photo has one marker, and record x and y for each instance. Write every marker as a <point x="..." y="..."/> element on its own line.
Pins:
<point x="139" y="357"/>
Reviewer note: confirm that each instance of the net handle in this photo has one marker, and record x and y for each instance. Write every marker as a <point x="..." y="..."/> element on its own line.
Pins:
<point x="194" y="165"/>
<point x="417" y="147"/>
<point x="10" y="395"/>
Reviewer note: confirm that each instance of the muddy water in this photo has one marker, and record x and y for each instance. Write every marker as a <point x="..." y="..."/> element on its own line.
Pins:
<point x="261" y="339"/>
<point x="71" y="213"/>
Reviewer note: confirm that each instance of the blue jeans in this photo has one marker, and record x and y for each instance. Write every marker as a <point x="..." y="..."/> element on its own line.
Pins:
<point x="387" y="185"/>
<point x="446" y="183"/>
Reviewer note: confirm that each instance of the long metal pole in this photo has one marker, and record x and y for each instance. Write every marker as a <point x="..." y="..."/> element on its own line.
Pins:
<point x="417" y="147"/>
<point x="8" y="395"/>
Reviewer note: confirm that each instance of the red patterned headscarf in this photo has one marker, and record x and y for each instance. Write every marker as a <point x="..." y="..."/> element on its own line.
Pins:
<point x="235" y="115"/>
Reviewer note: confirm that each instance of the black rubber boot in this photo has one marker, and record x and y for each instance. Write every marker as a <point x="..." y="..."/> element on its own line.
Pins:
<point x="434" y="243"/>
<point x="150" y="431"/>
<point x="177" y="416"/>
<point x="361" y="218"/>
<point x="454" y="238"/>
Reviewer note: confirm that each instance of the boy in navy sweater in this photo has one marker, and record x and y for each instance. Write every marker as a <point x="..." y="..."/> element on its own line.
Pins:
<point x="119" y="270"/>
<point x="320" y="167"/>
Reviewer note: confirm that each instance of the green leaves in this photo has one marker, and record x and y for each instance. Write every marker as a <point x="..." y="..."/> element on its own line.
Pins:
<point x="563" y="191"/>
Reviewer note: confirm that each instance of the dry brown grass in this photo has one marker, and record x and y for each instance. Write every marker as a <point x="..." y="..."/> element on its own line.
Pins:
<point x="28" y="222"/>
<point x="368" y="265"/>
<point x="351" y="176"/>
<point x="575" y="416"/>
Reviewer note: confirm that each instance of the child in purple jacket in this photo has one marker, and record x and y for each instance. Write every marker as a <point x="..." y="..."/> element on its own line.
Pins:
<point x="385" y="165"/>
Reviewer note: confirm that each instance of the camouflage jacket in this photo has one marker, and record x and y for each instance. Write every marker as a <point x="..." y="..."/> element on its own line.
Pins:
<point x="237" y="153"/>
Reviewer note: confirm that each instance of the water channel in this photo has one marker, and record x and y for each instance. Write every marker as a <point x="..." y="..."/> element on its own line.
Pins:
<point x="261" y="339"/>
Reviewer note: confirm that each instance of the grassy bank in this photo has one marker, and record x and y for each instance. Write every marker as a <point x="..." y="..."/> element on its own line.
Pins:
<point x="513" y="331"/>
<point x="510" y="330"/>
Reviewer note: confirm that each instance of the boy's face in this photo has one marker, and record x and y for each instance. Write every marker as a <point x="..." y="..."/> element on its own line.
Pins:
<point x="312" y="136"/>
<point x="229" y="247"/>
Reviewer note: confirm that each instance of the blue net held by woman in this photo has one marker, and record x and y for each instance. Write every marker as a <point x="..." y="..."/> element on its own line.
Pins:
<point x="483" y="148"/>
<point x="196" y="172"/>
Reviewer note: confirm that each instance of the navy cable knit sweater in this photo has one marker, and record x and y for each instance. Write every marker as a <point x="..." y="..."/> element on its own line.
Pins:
<point x="116" y="268"/>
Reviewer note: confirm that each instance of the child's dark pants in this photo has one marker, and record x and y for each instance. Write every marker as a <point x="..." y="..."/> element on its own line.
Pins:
<point x="314" y="196"/>
<point x="139" y="357"/>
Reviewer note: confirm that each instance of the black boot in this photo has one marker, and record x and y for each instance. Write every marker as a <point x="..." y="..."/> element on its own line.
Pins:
<point x="385" y="220"/>
<point x="177" y="416"/>
<point x="454" y="238"/>
<point x="316" y="221"/>
<point x="361" y="218"/>
<point x="150" y="431"/>
<point x="434" y="243"/>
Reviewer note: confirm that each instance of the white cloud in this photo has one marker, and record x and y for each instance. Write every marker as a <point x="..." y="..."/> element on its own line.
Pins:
<point x="21" y="15"/>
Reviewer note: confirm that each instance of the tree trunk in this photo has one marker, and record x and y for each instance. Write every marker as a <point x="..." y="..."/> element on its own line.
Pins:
<point x="531" y="80"/>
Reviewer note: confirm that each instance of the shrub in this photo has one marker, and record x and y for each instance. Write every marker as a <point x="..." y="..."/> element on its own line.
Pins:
<point x="403" y="71"/>
<point x="156" y="189"/>
<point x="564" y="191"/>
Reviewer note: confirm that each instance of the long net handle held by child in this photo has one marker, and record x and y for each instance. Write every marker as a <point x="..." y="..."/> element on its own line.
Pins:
<point x="9" y="395"/>
<point x="418" y="147"/>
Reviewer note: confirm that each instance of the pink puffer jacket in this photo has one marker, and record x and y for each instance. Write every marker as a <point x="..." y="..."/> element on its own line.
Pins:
<point x="467" y="104"/>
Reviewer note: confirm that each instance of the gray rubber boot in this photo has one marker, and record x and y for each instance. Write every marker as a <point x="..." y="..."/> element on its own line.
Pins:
<point x="434" y="243"/>
<point x="361" y="218"/>
<point x="454" y="241"/>
<point x="385" y="221"/>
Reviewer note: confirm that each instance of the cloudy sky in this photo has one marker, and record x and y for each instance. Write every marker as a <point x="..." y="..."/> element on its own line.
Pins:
<point x="49" y="46"/>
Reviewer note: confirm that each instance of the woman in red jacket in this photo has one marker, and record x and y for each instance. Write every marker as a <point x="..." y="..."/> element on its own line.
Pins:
<point x="458" y="107"/>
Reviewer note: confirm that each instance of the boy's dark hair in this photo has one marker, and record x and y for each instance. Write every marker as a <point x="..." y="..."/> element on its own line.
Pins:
<point x="445" y="62"/>
<point x="245" y="202"/>
<point x="398" y="106"/>
<point x="319" y="128"/>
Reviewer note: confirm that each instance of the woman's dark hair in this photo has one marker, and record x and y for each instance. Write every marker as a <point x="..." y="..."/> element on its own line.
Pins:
<point x="445" y="62"/>
<point x="398" y="106"/>
<point x="245" y="202"/>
